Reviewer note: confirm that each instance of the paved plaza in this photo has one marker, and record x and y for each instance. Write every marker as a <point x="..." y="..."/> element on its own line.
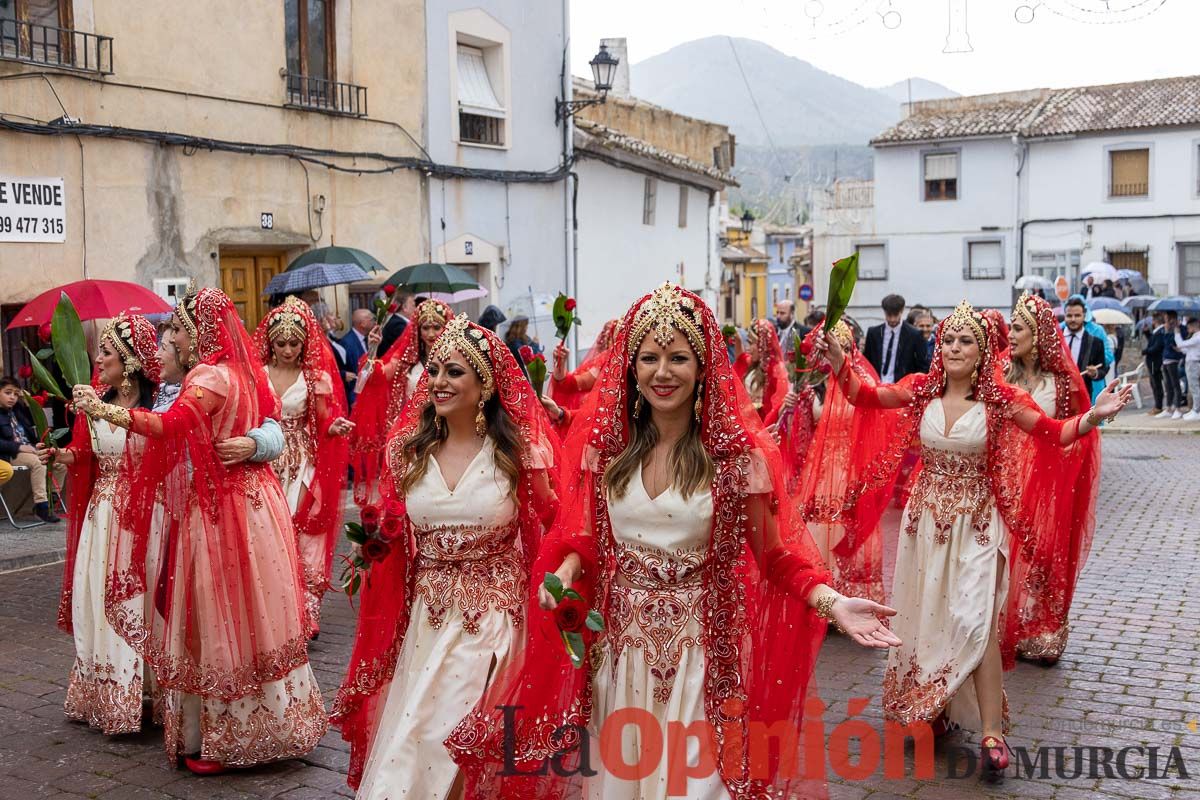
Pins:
<point x="1130" y="677"/>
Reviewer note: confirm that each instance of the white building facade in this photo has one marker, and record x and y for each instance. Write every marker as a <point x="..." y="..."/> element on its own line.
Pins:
<point x="972" y="193"/>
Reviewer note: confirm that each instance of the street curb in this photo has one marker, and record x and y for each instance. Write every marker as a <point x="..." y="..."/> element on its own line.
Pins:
<point x="32" y="560"/>
<point x="1153" y="431"/>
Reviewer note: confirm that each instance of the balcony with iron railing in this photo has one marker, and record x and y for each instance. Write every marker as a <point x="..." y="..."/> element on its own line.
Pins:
<point x="49" y="46"/>
<point x="332" y="97"/>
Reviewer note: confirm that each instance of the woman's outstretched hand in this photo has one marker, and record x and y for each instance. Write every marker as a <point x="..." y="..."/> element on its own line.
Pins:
<point x="860" y="619"/>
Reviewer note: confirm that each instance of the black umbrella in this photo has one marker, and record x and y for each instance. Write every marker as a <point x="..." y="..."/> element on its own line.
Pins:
<point x="440" y="281"/>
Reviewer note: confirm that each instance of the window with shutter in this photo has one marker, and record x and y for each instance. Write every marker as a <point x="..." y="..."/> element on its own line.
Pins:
<point x="941" y="176"/>
<point x="1130" y="173"/>
<point x="872" y="262"/>
<point x="1189" y="269"/>
<point x="480" y="114"/>
<point x="985" y="260"/>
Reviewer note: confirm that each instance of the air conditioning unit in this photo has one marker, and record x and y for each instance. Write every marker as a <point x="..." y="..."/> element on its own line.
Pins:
<point x="171" y="289"/>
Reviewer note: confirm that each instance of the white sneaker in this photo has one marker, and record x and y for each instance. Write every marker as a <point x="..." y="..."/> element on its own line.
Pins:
<point x="1191" y="416"/>
<point x="1177" y="415"/>
<point x="1164" y="415"/>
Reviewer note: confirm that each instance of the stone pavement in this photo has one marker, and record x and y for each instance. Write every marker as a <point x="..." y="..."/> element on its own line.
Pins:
<point x="1131" y="675"/>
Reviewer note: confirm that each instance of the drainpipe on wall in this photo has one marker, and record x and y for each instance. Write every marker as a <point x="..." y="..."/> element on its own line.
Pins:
<point x="1021" y="152"/>
<point x="571" y="184"/>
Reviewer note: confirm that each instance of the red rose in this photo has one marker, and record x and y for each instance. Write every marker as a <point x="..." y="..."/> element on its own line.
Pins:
<point x="569" y="305"/>
<point x="395" y="508"/>
<point x="42" y="398"/>
<point x="570" y="615"/>
<point x="44" y="333"/>
<point x="806" y="346"/>
<point x="540" y="357"/>
<point x="526" y="353"/>
<point x="375" y="550"/>
<point x="370" y="518"/>
<point x="393" y="308"/>
<point x="390" y="529"/>
<point x="389" y="290"/>
<point x="25" y="372"/>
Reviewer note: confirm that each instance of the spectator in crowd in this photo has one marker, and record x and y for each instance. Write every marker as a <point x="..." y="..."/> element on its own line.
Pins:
<point x="406" y="305"/>
<point x="1190" y="347"/>
<point x="1153" y="355"/>
<point x="354" y="344"/>
<point x="517" y="336"/>
<point x="925" y="323"/>
<point x="18" y="440"/>
<point x="1172" y="359"/>
<point x="1106" y="290"/>
<point x="1087" y="349"/>
<point x="895" y="348"/>
<point x="787" y="327"/>
<point x="491" y="318"/>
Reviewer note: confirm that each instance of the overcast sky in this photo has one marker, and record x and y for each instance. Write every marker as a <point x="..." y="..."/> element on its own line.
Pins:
<point x="848" y="37"/>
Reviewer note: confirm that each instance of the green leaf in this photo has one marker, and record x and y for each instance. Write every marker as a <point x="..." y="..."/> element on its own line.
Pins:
<point x="70" y="345"/>
<point x="39" y="416"/>
<point x="355" y="533"/>
<point x="57" y="434"/>
<point x="46" y="352"/>
<point x="595" y="621"/>
<point x="43" y="376"/>
<point x="571" y="593"/>
<point x="575" y="648"/>
<point x="355" y="583"/>
<point x="553" y="585"/>
<point x="842" y="279"/>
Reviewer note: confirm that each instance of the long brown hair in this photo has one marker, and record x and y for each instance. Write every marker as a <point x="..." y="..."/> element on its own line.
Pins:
<point x="689" y="463"/>
<point x="428" y="437"/>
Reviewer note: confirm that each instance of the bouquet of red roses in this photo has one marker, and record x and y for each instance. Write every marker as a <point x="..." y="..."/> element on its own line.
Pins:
<point x="573" y="616"/>
<point x="535" y="365"/>
<point x="564" y="316"/>
<point x="375" y="534"/>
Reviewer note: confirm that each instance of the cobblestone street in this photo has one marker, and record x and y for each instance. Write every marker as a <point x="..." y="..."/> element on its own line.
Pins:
<point x="1130" y="677"/>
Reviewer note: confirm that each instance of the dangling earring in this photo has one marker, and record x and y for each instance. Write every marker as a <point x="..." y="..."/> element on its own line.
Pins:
<point x="439" y="424"/>
<point x="637" y="404"/>
<point x="126" y="388"/>
<point x="480" y="422"/>
<point x="975" y="375"/>
<point x="699" y="402"/>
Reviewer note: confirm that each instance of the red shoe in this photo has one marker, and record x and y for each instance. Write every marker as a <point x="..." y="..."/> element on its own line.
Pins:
<point x="203" y="766"/>
<point x="993" y="756"/>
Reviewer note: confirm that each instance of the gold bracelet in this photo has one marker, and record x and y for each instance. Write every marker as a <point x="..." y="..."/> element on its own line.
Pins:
<point x="825" y="608"/>
<point x="1092" y="419"/>
<point x="115" y="414"/>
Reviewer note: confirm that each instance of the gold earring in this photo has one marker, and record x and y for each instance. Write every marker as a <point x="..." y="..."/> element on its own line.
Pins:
<point x="975" y="374"/>
<point x="699" y="402"/>
<point x="637" y="404"/>
<point x="439" y="424"/>
<point x="480" y="422"/>
<point x="126" y="388"/>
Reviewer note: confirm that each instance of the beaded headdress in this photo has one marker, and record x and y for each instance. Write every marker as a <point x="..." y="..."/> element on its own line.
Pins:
<point x="1026" y="311"/>
<point x="666" y="311"/>
<point x="287" y="321"/>
<point x="474" y="343"/>
<point x="434" y="311"/>
<point x="965" y="316"/>
<point x="135" y="341"/>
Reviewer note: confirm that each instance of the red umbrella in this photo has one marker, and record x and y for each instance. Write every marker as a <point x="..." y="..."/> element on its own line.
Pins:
<point x="93" y="300"/>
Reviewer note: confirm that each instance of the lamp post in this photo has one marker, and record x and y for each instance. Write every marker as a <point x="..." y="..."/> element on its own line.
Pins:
<point x="747" y="222"/>
<point x="604" y="69"/>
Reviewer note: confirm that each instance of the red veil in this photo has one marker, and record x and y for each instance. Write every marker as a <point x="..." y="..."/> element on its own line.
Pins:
<point x="138" y="350"/>
<point x="388" y="589"/>
<point x="319" y="512"/>
<point x="760" y="637"/>
<point x="774" y="370"/>
<point x="378" y="405"/>
<point x="1034" y="479"/>
<point x="570" y="391"/>
<point x="1045" y="598"/>
<point x="219" y="632"/>
<point x="828" y="476"/>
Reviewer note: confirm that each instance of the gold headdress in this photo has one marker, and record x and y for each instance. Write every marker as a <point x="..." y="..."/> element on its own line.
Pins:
<point x="433" y="311"/>
<point x="965" y="316"/>
<point x="1027" y="315"/>
<point x="186" y="308"/>
<point x="119" y="331"/>
<point x="666" y="311"/>
<point x="475" y="347"/>
<point x="843" y="334"/>
<point x="287" y="321"/>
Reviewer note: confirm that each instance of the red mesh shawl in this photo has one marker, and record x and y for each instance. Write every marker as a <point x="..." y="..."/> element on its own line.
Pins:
<point x="773" y="370"/>
<point x="378" y="405"/>
<point x="1034" y="478"/>
<point x="570" y="392"/>
<point x="761" y="638"/>
<point x="137" y="347"/>
<point x="319" y="512"/>
<point x="230" y="601"/>
<point x="387" y="593"/>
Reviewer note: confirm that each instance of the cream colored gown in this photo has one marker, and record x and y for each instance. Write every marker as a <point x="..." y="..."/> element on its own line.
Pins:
<point x="105" y="689"/>
<point x="464" y="625"/>
<point x="951" y="575"/>
<point x="653" y="656"/>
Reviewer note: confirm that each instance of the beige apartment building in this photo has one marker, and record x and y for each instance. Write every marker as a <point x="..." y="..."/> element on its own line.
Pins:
<point x="207" y="141"/>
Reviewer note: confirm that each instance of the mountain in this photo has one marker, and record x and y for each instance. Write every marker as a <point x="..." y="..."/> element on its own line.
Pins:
<point x="800" y="104"/>
<point x="921" y="90"/>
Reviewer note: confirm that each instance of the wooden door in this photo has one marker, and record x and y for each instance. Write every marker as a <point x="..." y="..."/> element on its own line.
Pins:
<point x="243" y="278"/>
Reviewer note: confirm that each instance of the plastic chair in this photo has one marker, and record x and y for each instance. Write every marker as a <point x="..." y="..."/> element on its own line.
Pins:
<point x="17" y="470"/>
<point x="1133" y="378"/>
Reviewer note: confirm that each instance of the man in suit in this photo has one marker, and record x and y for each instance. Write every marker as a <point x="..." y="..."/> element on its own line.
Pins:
<point x="895" y="348"/>
<point x="1087" y="350"/>
<point x="393" y="329"/>
<point x="788" y="328"/>
<point x="355" y="345"/>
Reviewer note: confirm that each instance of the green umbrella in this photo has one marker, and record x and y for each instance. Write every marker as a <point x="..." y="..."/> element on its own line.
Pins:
<point x="435" y="280"/>
<point x="337" y="256"/>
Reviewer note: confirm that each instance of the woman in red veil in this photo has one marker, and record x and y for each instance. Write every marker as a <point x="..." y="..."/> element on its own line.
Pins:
<point x="762" y="370"/>
<point x="300" y="369"/>
<point x="827" y="477"/>
<point x="106" y="684"/>
<point x="569" y="390"/>
<point x="468" y="485"/>
<point x="390" y="382"/>
<point x="677" y="527"/>
<point x="996" y="475"/>
<point x="1041" y="364"/>
<point x="229" y="642"/>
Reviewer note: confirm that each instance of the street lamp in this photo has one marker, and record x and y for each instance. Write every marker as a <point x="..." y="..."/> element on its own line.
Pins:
<point x="747" y="222"/>
<point x="604" y="69"/>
